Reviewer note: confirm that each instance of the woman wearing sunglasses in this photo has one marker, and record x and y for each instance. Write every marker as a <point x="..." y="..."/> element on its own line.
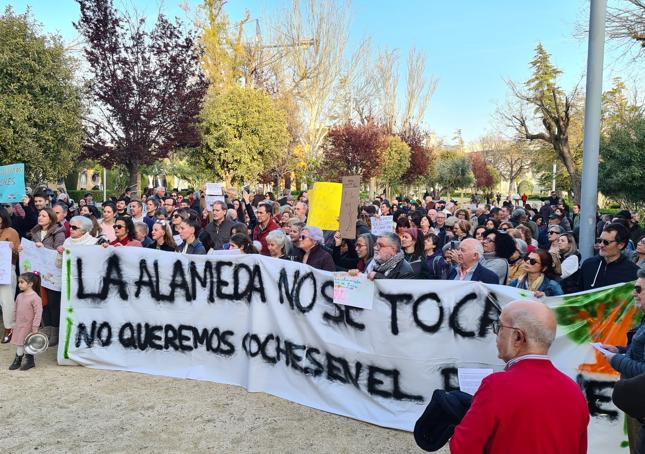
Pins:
<point x="538" y="266"/>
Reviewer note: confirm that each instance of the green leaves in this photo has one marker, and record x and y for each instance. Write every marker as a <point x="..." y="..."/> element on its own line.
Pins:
<point x="40" y="105"/>
<point x="453" y="171"/>
<point x="244" y="131"/>
<point x="622" y="168"/>
<point x="396" y="161"/>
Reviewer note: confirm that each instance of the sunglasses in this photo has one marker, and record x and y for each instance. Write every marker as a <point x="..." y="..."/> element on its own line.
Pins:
<point x="638" y="289"/>
<point x="118" y="226"/>
<point x="531" y="261"/>
<point x="504" y="229"/>
<point x="605" y="242"/>
<point x="74" y="227"/>
<point x="553" y="232"/>
<point x="303" y="237"/>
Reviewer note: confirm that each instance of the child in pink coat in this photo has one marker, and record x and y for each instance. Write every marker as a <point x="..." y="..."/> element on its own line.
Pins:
<point x="27" y="315"/>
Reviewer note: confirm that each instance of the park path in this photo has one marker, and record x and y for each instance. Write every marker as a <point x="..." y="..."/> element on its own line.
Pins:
<point x="76" y="409"/>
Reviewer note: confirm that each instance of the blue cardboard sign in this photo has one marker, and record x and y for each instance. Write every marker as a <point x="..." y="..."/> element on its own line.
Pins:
<point x="12" y="183"/>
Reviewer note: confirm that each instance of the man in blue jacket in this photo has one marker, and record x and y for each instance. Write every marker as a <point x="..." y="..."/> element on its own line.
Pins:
<point x="469" y="268"/>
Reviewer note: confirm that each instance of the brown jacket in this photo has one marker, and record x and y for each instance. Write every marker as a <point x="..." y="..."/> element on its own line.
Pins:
<point x="11" y="235"/>
<point x="54" y="237"/>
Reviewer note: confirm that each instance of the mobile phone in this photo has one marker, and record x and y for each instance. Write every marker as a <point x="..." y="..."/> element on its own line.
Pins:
<point x="453" y="245"/>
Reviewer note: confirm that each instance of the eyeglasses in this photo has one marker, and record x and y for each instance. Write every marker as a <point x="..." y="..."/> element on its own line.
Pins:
<point x="605" y="242"/>
<point x="638" y="289"/>
<point x="488" y="240"/>
<point x="553" y="232"/>
<point x="380" y="245"/>
<point x="531" y="261"/>
<point x="503" y="229"/>
<point x="497" y="327"/>
<point x="358" y="245"/>
<point x="303" y="237"/>
<point x="177" y="216"/>
<point x="118" y="226"/>
<point x="641" y="241"/>
<point x="74" y="227"/>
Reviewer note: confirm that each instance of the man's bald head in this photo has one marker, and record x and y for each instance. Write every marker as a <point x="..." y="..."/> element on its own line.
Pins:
<point x="536" y="321"/>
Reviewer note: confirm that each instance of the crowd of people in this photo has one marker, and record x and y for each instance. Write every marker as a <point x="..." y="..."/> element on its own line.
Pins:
<point x="529" y="247"/>
<point x="532" y="247"/>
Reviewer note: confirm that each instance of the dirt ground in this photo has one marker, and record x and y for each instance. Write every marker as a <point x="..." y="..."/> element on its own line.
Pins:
<point x="75" y="409"/>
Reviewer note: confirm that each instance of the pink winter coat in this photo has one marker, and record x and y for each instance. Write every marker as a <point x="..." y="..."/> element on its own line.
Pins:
<point x="29" y="310"/>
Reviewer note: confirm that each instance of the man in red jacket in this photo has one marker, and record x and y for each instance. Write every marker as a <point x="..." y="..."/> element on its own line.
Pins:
<point x="531" y="407"/>
<point x="265" y="225"/>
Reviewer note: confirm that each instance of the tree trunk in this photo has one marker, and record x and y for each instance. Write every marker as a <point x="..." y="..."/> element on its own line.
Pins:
<point x="133" y="168"/>
<point x="574" y="175"/>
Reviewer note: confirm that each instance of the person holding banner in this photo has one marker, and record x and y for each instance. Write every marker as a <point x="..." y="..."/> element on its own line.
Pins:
<point x="7" y="291"/>
<point x="80" y="228"/>
<point x="530" y="407"/>
<point x="279" y="245"/>
<point x="188" y="231"/>
<point x="629" y="360"/>
<point x="48" y="233"/>
<point x="389" y="261"/>
<point x="162" y="237"/>
<point x="538" y="266"/>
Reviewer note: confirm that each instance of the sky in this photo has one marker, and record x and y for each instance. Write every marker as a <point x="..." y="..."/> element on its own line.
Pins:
<point x="472" y="46"/>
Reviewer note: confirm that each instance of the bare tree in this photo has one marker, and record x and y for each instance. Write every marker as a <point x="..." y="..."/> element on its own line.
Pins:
<point x="311" y="72"/>
<point x="419" y="90"/>
<point x="386" y="70"/>
<point x="626" y="24"/>
<point x="512" y="159"/>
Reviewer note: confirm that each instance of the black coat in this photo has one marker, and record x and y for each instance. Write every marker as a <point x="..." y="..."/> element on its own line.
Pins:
<point x="595" y="272"/>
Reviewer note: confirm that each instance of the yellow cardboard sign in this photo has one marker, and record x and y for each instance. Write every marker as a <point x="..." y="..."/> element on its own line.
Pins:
<point x="324" y="205"/>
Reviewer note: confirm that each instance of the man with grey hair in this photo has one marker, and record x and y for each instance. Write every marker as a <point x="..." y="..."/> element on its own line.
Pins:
<point x="469" y="267"/>
<point x="530" y="407"/>
<point x="300" y="211"/>
<point x="389" y="261"/>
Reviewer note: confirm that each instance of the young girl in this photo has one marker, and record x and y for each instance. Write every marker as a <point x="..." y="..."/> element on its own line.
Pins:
<point x="27" y="315"/>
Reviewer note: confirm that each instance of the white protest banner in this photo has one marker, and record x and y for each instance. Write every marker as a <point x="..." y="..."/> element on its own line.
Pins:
<point x="43" y="260"/>
<point x="382" y="224"/>
<point x="271" y="325"/>
<point x="213" y="193"/>
<point x="356" y="291"/>
<point x="5" y="263"/>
